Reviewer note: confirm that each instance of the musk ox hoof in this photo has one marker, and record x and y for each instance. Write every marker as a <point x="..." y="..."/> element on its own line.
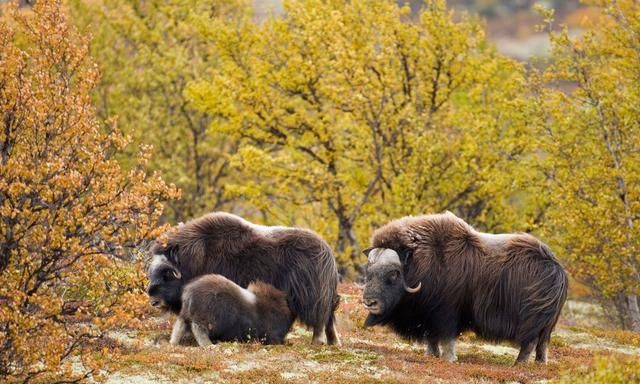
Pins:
<point x="450" y="358"/>
<point x="432" y="353"/>
<point x="318" y="341"/>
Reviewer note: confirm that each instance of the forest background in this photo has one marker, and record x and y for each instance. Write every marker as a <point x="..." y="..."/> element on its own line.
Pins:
<point x="122" y="117"/>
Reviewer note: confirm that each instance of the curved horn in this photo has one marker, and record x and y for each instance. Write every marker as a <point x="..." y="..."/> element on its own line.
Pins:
<point x="177" y="274"/>
<point x="414" y="289"/>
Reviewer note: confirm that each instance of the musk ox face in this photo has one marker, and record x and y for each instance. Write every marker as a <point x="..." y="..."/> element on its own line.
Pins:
<point x="385" y="284"/>
<point x="165" y="284"/>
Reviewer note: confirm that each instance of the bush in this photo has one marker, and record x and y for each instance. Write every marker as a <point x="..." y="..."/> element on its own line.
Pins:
<point x="608" y="371"/>
<point x="70" y="216"/>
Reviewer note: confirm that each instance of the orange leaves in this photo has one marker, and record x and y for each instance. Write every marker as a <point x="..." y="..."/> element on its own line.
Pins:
<point x="69" y="213"/>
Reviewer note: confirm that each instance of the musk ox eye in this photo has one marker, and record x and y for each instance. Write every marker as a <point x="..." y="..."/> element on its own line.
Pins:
<point x="167" y="275"/>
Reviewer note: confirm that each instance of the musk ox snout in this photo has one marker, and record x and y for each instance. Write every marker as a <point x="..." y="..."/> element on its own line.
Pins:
<point x="383" y="288"/>
<point x="165" y="284"/>
<point x="385" y="284"/>
<point x="372" y="305"/>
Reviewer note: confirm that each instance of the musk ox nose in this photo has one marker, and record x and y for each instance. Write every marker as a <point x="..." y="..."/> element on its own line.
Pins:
<point x="152" y="290"/>
<point x="370" y="303"/>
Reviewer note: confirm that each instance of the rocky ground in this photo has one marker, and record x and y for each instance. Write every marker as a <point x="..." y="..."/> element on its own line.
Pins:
<point x="372" y="355"/>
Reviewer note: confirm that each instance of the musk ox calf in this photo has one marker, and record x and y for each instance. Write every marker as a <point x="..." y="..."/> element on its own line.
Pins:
<point x="217" y="309"/>
<point x="431" y="277"/>
<point x="294" y="260"/>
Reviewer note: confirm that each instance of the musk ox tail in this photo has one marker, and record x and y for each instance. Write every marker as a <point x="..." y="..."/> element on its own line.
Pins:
<point x="313" y="291"/>
<point x="524" y="289"/>
<point x="542" y="300"/>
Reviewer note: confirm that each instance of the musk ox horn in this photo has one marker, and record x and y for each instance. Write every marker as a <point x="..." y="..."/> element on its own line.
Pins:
<point x="383" y="256"/>
<point x="177" y="274"/>
<point x="414" y="289"/>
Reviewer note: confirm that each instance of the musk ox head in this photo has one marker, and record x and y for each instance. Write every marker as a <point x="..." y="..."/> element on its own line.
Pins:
<point x="165" y="284"/>
<point x="385" y="284"/>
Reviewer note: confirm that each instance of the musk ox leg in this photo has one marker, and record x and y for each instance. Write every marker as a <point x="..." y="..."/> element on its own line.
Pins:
<point x="541" y="351"/>
<point x="201" y="334"/>
<point x="525" y="352"/>
<point x="330" y="331"/>
<point x="449" y="350"/>
<point x="432" y="348"/>
<point x="318" y="334"/>
<point x="179" y="329"/>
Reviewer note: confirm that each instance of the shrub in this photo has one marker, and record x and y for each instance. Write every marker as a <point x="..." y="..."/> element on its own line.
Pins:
<point x="69" y="214"/>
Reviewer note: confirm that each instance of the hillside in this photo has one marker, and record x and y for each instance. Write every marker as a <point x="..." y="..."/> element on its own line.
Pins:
<point x="366" y="356"/>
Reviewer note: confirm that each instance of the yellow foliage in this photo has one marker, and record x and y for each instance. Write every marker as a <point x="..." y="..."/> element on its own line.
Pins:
<point x="69" y="214"/>
<point x="591" y="138"/>
<point x="350" y="113"/>
<point x="147" y="52"/>
<point x="606" y="371"/>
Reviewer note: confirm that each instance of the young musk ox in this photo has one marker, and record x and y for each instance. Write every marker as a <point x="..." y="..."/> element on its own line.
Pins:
<point x="503" y="287"/>
<point x="217" y="309"/>
<point x="294" y="260"/>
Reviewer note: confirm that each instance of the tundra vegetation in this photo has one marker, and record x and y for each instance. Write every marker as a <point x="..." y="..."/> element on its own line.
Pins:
<point x="338" y="116"/>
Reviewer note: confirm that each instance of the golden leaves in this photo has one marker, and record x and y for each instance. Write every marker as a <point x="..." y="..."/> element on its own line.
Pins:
<point x="69" y="212"/>
<point x="592" y="140"/>
<point x="354" y="114"/>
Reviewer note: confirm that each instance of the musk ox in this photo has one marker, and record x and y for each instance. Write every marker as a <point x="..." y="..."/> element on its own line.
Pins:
<point x="217" y="309"/>
<point x="431" y="277"/>
<point x="294" y="260"/>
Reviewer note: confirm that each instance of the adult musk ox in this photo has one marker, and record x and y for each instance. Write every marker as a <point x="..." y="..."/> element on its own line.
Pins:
<point x="431" y="277"/>
<point x="215" y="308"/>
<point x="296" y="261"/>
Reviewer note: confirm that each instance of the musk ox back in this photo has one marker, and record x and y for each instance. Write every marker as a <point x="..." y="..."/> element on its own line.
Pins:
<point x="294" y="260"/>
<point x="503" y="287"/>
<point x="217" y="309"/>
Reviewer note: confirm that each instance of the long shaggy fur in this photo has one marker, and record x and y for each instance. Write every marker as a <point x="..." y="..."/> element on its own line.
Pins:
<point x="296" y="261"/>
<point x="217" y="305"/>
<point x="503" y="287"/>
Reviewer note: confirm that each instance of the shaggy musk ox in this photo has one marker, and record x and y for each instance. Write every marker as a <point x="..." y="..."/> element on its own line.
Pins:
<point x="296" y="261"/>
<point x="431" y="277"/>
<point x="215" y="308"/>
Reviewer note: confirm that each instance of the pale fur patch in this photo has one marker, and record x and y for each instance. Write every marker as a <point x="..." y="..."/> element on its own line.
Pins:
<point x="266" y="230"/>
<point x="262" y="229"/>
<point x="248" y="296"/>
<point x="494" y="240"/>
<point x="157" y="261"/>
<point x="383" y="256"/>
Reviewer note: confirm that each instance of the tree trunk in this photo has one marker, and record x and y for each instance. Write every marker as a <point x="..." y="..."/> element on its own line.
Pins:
<point x="628" y="311"/>
<point x="633" y="312"/>
<point x="347" y="242"/>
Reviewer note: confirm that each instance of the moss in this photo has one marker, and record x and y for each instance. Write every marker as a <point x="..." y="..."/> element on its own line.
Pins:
<point x="343" y="356"/>
<point x="558" y="341"/>
<point x="607" y="370"/>
<point x="371" y="356"/>
<point x="480" y="356"/>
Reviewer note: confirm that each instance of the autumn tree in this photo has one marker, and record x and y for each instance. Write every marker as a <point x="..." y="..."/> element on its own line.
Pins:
<point x="351" y="113"/>
<point x="69" y="214"/>
<point x="147" y="52"/>
<point x="590" y="137"/>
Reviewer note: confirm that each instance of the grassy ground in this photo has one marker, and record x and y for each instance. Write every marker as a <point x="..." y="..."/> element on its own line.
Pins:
<point x="372" y="355"/>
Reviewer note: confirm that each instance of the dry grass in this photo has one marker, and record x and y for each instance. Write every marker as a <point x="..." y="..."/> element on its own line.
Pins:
<point x="367" y="356"/>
